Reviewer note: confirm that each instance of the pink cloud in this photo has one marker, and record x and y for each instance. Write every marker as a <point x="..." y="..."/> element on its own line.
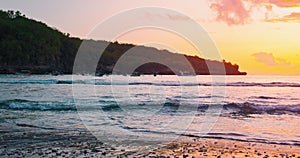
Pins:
<point x="270" y="60"/>
<point x="285" y="3"/>
<point x="238" y="12"/>
<point x="233" y="12"/>
<point x="293" y="17"/>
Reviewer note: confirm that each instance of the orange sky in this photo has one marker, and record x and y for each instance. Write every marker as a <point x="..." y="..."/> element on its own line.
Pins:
<point x="262" y="36"/>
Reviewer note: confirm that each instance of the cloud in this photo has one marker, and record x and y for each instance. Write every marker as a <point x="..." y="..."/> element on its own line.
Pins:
<point x="293" y="17"/>
<point x="177" y="17"/>
<point x="233" y="12"/>
<point x="285" y="3"/>
<point x="238" y="12"/>
<point x="166" y="16"/>
<point x="270" y="60"/>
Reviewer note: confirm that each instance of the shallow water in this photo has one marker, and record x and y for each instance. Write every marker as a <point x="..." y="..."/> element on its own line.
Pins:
<point x="147" y="109"/>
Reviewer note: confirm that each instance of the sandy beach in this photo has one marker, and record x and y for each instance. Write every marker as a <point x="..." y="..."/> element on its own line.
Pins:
<point x="83" y="144"/>
<point x="54" y="143"/>
<point x="224" y="148"/>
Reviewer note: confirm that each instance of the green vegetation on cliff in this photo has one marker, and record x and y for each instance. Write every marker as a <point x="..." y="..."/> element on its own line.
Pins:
<point x="27" y="44"/>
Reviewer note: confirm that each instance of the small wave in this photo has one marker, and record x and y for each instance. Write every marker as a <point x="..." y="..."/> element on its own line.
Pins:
<point x="103" y="82"/>
<point x="201" y="97"/>
<point x="34" y="126"/>
<point x="249" y="108"/>
<point x="64" y="82"/>
<point x="19" y="104"/>
<point x="220" y="136"/>
<point x="266" y="97"/>
<point x="171" y="106"/>
<point x="29" y="82"/>
<point x="108" y="97"/>
<point x="227" y="134"/>
<point x="234" y="84"/>
<point x="271" y="84"/>
<point x="111" y="107"/>
<point x="255" y="140"/>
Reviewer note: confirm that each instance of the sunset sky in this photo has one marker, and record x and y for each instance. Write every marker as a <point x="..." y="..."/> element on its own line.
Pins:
<point x="262" y="36"/>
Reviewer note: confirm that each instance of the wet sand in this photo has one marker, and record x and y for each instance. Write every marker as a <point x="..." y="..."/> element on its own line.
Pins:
<point x="83" y="144"/>
<point x="23" y="140"/>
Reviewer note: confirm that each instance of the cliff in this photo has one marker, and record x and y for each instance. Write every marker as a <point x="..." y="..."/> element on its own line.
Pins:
<point x="27" y="45"/>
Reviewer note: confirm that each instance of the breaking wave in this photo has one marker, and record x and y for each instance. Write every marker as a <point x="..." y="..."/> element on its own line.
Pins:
<point x="167" y="107"/>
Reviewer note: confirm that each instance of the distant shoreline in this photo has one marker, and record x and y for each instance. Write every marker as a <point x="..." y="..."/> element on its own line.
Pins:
<point x="49" y="73"/>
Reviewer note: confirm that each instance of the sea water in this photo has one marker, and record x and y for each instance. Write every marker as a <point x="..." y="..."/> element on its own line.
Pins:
<point x="130" y="110"/>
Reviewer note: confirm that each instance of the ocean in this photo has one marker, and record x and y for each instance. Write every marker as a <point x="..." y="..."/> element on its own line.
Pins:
<point x="145" y="111"/>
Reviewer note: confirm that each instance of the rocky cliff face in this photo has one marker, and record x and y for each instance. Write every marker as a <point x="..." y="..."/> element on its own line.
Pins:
<point x="29" y="46"/>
